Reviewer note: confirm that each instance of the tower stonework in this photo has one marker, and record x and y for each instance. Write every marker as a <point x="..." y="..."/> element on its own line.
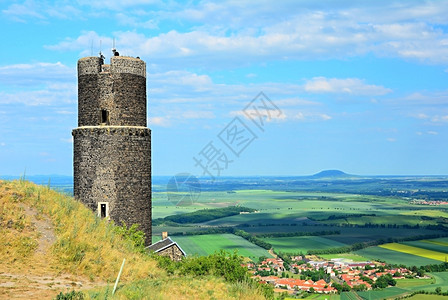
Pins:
<point x="112" y="145"/>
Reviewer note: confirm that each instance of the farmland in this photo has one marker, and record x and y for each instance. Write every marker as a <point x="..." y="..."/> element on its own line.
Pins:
<point x="352" y="215"/>
<point x="395" y="257"/>
<point x="208" y="244"/>
<point x="302" y="243"/>
<point x="415" y="251"/>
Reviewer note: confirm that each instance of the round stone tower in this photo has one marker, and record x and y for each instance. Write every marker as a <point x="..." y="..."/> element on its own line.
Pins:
<point x="112" y="145"/>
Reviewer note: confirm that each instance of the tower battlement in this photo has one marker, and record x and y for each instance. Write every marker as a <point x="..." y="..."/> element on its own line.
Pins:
<point x="118" y="64"/>
<point x="112" y="145"/>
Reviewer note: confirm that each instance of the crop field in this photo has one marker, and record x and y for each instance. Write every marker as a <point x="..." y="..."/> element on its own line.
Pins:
<point x="428" y="245"/>
<point x="440" y="241"/>
<point x="413" y="283"/>
<point x="435" y="255"/>
<point x="210" y="243"/>
<point x="382" y="294"/>
<point x="320" y="297"/>
<point x="301" y="243"/>
<point x="395" y="257"/>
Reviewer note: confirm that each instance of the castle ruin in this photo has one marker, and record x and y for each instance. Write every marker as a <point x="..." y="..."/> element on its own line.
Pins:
<point x="112" y="145"/>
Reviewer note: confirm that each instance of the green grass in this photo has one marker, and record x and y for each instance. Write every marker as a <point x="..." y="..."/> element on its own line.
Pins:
<point x="348" y="296"/>
<point x="427" y="297"/>
<point x="208" y="244"/>
<point x="428" y="245"/>
<point x="407" y="286"/>
<point x="302" y="243"/>
<point x="412" y="283"/>
<point x="321" y="297"/>
<point x="440" y="279"/>
<point x="382" y="294"/>
<point x="394" y="257"/>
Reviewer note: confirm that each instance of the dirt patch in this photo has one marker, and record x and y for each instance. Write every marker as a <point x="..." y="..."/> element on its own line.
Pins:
<point x="45" y="228"/>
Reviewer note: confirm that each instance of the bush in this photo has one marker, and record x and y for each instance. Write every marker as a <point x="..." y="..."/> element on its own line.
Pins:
<point x="70" y="296"/>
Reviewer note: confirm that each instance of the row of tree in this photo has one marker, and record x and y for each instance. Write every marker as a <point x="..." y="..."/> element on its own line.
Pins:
<point x="202" y="215"/>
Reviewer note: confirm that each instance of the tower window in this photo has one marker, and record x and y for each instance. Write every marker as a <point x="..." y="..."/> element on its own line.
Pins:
<point x="103" y="209"/>
<point x="104" y="117"/>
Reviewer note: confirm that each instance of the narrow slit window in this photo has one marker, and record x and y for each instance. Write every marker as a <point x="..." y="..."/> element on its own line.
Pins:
<point x="104" y="117"/>
<point x="103" y="209"/>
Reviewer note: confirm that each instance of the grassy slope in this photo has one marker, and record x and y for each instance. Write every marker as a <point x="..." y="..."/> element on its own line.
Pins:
<point x="87" y="248"/>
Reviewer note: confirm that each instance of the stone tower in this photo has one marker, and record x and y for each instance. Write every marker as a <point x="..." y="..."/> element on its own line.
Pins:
<point x="112" y="145"/>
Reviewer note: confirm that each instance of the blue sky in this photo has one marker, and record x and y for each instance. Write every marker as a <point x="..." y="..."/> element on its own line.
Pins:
<point x="360" y="86"/>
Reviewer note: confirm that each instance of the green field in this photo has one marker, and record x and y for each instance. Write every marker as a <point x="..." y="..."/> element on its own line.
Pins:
<point x="394" y="257"/>
<point x="301" y="243"/>
<point x="428" y="297"/>
<point x="320" y="297"/>
<point x="413" y="283"/>
<point x="208" y="244"/>
<point x="432" y="245"/>
<point x="382" y="294"/>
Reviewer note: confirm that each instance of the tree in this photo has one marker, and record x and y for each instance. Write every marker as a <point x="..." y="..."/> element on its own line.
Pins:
<point x="361" y="287"/>
<point x="438" y="290"/>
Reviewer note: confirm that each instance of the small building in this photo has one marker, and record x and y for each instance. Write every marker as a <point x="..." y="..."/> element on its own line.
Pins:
<point x="168" y="247"/>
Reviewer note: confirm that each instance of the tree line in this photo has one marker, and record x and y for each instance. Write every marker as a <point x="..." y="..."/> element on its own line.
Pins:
<point x="202" y="215"/>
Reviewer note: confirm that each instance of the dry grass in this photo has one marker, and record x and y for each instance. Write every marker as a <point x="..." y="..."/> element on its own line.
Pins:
<point x="87" y="250"/>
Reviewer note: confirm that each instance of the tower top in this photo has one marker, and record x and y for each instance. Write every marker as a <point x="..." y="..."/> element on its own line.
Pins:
<point x="111" y="94"/>
<point x="118" y="64"/>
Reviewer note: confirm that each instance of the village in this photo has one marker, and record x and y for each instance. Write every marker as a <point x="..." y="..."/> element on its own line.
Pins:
<point x="312" y="274"/>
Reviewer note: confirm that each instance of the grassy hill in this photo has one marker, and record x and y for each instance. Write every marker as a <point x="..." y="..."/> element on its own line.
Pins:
<point x="51" y="243"/>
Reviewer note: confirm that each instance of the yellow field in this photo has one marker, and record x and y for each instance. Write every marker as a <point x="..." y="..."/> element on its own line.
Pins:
<point x="415" y="251"/>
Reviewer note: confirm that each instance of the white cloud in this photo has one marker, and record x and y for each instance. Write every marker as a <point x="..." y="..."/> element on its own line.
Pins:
<point x="198" y="115"/>
<point x="391" y="140"/>
<point x="39" y="84"/>
<point x="67" y="140"/>
<point x="353" y="86"/>
<point x="429" y="132"/>
<point x="66" y="112"/>
<point x="159" y="121"/>
<point x="311" y="117"/>
<point x="40" y="10"/>
<point x="36" y="73"/>
<point x="49" y="96"/>
<point x="312" y="35"/>
<point x="439" y="119"/>
<point x="116" y="5"/>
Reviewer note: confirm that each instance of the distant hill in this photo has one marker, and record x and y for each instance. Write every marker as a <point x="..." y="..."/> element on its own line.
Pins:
<point x="331" y="174"/>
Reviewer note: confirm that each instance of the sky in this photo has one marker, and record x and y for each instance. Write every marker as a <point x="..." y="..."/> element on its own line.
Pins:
<point x="288" y="87"/>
